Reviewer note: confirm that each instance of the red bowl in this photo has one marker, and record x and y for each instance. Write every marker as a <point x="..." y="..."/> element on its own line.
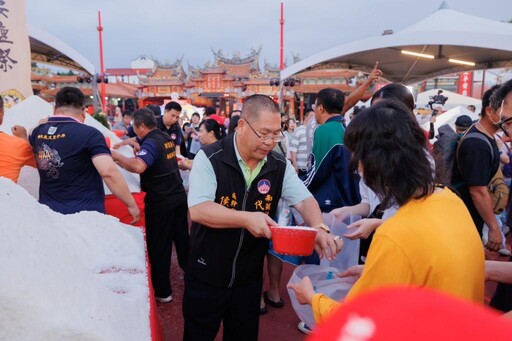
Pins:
<point x="293" y="240"/>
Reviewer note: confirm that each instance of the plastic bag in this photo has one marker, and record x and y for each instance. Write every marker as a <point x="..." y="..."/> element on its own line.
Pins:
<point x="324" y="281"/>
<point x="350" y="252"/>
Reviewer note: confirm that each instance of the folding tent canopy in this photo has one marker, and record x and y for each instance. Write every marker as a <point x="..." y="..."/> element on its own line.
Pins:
<point x="444" y="35"/>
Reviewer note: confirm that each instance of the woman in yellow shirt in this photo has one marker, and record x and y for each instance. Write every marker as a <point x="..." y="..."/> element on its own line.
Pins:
<point x="431" y="240"/>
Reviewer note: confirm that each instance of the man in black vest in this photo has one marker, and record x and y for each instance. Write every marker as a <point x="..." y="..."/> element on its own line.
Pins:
<point x="235" y="186"/>
<point x="165" y="201"/>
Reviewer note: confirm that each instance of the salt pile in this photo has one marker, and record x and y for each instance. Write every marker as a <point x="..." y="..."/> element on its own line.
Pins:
<point x="69" y="277"/>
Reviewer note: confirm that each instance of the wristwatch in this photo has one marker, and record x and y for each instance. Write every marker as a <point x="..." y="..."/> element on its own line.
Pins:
<point x="324" y="227"/>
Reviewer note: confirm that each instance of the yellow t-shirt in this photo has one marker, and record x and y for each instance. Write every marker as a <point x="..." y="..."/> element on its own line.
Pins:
<point x="428" y="243"/>
<point x="14" y="154"/>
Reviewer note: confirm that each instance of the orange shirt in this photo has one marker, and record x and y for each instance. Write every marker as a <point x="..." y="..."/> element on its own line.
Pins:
<point x="14" y="154"/>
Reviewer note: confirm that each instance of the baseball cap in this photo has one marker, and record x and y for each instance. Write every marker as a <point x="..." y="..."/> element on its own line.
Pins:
<point x="463" y="121"/>
<point x="412" y="313"/>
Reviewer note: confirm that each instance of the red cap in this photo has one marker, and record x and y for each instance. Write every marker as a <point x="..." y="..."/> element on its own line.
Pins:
<point x="412" y="314"/>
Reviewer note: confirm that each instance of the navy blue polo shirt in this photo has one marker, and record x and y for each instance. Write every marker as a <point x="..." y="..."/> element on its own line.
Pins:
<point x="64" y="150"/>
<point x="174" y="131"/>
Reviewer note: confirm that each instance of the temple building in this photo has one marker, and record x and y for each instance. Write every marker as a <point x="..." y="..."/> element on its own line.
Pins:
<point x="225" y="83"/>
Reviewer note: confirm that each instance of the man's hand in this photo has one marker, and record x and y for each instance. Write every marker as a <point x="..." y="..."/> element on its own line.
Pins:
<point x="304" y="291"/>
<point x="186" y="164"/>
<point x="20" y="132"/>
<point x="134" y="212"/>
<point x="495" y="239"/>
<point x="327" y="245"/>
<point x="257" y="223"/>
<point x="362" y="228"/>
<point x="375" y="74"/>
<point x="353" y="271"/>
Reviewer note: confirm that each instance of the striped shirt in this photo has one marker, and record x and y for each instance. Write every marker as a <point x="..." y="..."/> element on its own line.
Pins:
<point x="298" y="145"/>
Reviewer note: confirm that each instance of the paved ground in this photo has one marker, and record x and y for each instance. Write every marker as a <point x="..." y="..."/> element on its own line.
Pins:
<point x="278" y="324"/>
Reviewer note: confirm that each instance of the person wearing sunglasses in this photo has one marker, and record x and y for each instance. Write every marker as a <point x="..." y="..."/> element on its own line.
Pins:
<point x="235" y="185"/>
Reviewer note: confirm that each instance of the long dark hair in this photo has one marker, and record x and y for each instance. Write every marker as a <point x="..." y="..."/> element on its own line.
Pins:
<point x="212" y="125"/>
<point x="390" y="145"/>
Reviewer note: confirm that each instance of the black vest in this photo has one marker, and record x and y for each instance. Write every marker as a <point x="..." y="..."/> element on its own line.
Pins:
<point x="232" y="256"/>
<point x="162" y="181"/>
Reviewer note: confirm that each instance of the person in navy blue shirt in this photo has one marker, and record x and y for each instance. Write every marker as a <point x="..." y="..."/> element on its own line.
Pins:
<point x="168" y="123"/>
<point x="165" y="201"/>
<point x="73" y="159"/>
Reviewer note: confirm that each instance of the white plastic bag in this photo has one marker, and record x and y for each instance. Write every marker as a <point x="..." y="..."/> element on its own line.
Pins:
<point x="350" y="252"/>
<point x="324" y="281"/>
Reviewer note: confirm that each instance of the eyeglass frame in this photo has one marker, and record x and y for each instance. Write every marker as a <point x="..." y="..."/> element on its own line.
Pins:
<point x="504" y="124"/>
<point x="265" y="139"/>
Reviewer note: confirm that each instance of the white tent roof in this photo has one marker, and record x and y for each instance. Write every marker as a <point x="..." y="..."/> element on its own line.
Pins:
<point x="445" y="34"/>
<point x="454" y="100"/>
<point x="46" y="48"/>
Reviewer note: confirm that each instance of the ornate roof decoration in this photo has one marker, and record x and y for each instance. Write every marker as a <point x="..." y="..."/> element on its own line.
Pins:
<point x="235" y="59"/>
<point x="168" y="71"/>
<point x="296" y="57"/>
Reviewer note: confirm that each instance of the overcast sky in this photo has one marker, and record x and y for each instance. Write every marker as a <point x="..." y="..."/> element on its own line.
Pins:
<point x="166" y="29"/>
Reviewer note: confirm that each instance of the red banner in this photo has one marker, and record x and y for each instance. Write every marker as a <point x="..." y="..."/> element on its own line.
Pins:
<point x="465" y="83"/>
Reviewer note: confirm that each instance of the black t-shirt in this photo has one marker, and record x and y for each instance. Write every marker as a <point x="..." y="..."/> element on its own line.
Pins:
<point x="475" y="166"/>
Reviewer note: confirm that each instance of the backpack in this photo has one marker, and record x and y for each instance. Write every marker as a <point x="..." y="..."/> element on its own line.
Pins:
<point x="498" y="189"/>
<point x="444" y="154"/>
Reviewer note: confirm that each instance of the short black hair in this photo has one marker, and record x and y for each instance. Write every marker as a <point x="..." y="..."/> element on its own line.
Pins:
<point x="1" y="103"/>
<point x="486" y="99"/>
<point x="209" y="111"/>
<point x="233" y="123"/>
<point x="173" y="105"/>
<point x="395" y="91"/>
<point x="333" y="100"/>
<point x="127" y="113"/>
<point x="500" y="95"/>
<point x="144" y="116"/>
<point x="70" y="97"/>
<point x="254" y="104"/>
<point x="196" y="114"/>
<point x="391" y="146"/>
<point x="155" y="109"/>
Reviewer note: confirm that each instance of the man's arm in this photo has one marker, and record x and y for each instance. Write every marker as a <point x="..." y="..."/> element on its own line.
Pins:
<point x="482" y="201"/>
<point x="357" y="94"/>
<point x="131" y="164"/>
<point x="293" y="159"/>
<point x="115" y="182"/>
<point x="203" y="209"/>
<point x="326" y="245"/>
<point x="500" y="272"/>
<point x="215" y="215"/>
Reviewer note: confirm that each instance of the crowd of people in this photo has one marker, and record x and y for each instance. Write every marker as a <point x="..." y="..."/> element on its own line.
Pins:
<point x="416" y="231"/>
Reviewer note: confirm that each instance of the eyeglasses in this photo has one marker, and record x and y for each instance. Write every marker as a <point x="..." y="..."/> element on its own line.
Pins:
<point x="266" y="138"/>
<point x="504" y="124"/>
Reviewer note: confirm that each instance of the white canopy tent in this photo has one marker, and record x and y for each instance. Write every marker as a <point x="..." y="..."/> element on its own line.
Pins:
<point x="46" y="48"/>
<point x="454" y="100"/>
<point x="449" y="117"/>
<point x="446" y="34"/>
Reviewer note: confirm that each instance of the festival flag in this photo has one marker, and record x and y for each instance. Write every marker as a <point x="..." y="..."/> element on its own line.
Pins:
<point x="15" y="57"/>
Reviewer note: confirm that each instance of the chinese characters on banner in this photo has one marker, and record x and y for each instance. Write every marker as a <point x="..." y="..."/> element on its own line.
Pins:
<point x="465" y="83"/>
<point x="15" y="57"/>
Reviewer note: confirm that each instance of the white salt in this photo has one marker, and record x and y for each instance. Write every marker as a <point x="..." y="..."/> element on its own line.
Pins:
<point x="69" y="277"/>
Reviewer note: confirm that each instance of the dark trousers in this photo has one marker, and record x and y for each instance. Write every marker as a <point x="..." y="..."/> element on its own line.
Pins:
<point x="163" y="227"/>
<point x="205" y="306"/>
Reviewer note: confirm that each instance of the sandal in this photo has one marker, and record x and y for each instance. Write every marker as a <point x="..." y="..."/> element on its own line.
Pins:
<point x="274" y="304"/>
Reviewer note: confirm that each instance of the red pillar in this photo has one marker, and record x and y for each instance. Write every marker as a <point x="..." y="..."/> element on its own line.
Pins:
<point x="281" y="66"/>
<point x="102" y="66"/>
